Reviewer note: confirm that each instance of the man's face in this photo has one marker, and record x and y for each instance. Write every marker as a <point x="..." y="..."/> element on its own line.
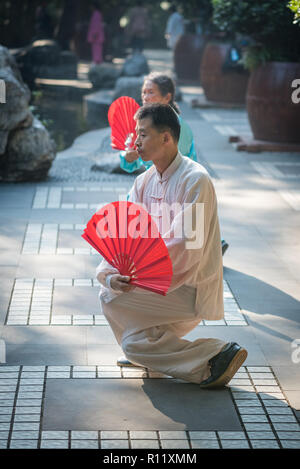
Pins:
<point x="149" y="141"/>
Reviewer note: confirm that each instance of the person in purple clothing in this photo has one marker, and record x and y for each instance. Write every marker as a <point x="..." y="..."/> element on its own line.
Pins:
<point x="95" y="34"/>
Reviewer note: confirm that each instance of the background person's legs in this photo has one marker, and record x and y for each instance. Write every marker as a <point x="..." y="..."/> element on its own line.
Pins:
<point x="97" y="55"/>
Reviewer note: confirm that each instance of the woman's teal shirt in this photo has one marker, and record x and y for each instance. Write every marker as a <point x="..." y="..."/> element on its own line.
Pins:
<point x="186" y="147"/>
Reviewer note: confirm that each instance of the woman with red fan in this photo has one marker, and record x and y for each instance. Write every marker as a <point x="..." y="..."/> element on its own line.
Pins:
<point x="157" y="88"/>
<point x="160" y="88"/>
<point x="150" y="327"/>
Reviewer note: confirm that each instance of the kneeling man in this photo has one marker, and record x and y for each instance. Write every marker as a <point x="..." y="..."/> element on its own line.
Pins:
<point x="150" y="327"/>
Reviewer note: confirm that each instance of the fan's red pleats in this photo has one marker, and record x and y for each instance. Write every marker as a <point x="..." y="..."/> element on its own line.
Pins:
<point x="120" y="117"/>
<point x="127" y="237"/>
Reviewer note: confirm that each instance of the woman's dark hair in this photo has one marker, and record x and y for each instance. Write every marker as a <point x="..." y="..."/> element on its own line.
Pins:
<point x="163" y="118"/>
<point x="166" y="85"/>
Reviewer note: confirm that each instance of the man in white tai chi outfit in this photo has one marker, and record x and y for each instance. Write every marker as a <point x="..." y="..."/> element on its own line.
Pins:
<point x="149" y="327"/>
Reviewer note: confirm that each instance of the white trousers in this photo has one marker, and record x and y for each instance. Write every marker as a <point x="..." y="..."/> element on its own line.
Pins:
<point x="149" y="327"/>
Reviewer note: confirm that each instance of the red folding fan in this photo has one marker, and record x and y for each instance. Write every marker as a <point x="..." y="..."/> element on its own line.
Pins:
<point x="127" y="237"/>
<point x="120" y="118"/>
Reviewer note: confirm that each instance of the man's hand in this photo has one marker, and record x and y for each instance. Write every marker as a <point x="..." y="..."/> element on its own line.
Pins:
<point x="131" y="155"/>
<point x="121" y="283"/>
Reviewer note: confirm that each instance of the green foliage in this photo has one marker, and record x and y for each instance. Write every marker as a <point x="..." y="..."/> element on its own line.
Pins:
<point x="294" y="6"/>
<point x="266" y="23"/>
<point x="254" y="56"/>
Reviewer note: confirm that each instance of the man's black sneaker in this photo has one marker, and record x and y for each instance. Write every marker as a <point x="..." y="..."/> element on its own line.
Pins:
<point x="224" y="365"/>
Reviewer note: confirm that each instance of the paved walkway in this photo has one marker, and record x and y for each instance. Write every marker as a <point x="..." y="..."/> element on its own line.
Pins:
<point x="60" y="386"/>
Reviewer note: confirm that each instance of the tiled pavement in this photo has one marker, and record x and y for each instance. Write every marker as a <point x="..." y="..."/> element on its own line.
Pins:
<point x="48" y="301"/>
<point x="60" y="386"/>
<point x="26" y="406"/>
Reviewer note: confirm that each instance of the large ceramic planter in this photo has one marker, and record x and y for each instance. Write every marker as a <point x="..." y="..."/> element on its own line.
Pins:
<point x="272" y="114"/>
<point x="187" y="56"/>
<point x="220" y="85"/>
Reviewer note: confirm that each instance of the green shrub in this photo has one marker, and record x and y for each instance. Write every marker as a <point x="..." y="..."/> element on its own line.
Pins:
<point x="268" y="25"/>
<point x="294" y="6"/>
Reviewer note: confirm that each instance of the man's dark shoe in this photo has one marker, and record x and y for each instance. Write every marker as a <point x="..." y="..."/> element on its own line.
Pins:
<point x="225" y="246"/>
<point x="224" y="365"/>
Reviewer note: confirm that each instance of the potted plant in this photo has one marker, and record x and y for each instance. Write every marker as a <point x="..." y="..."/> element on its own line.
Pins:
<point x="223" y="79"/>
<point x="272" y="56"/>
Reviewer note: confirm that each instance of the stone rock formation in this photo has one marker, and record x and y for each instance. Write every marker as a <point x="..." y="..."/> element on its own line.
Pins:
<point x="26" y="149"/>
<point x="103" y="75"/>
<point x="45" y="59"/>
<point x="135" y="65"/>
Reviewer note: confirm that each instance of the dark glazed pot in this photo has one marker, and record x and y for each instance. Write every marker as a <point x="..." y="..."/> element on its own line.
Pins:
<point x="224" y="86"/>
<point x="187" y="56"/>
<point x="272" y="114"/>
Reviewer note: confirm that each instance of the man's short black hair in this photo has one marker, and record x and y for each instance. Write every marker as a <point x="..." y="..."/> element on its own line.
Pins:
<point x="163" y="118"/>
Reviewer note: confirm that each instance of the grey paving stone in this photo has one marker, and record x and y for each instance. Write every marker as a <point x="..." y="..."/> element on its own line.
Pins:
<point x="54" y="435"/>
<point x="231" y="435"/>
<point x="35" y="410"/>
<point x="285" y="435"/>
<point x="28" y="402"/>
<point x="6" y="402"/>
<point x="161" y="400"/>
<point x="272" y="403"/>
<point x="9" y="375"/>
<point x="290" y="444"/>
<point x="28" y="388"/>
<point x="272" y="411"/>
<point x="26" y="426"/>
<point x="69" y="300"/>
<point x="257" y="427"/>
<point x="264" y="444"/>
<point x="23" y="444"/>
<point x="175" y="444"/>
<point x="287" y="427"/>
<point x="143" y="435"/>
<point x="29" y="395"/>
<point x="47" y="354"/>
<point x="205" y="444"/>
<point x="144" y="444"/>
<point x="234" y="444"/>
<point x="84" y="444"/>
<point x="113" y="434"/>
<point x="114" y="444"/>
<point x="4" y="426"/>
<point x="176" y="435"/>
<point x="248" y="403"/>
<point x="7" y="395"/>
<point x="194" y="435"/>
<point x="254" y="418"/>
<point x="249" y="411"/>
<point x="54" y="444"/>
<point x="25" y="435"/>
<point x="5" y="418"/>
<point x="84" y="435"/>
<point x="27" y="418"/>
<point x="283" y="418"/>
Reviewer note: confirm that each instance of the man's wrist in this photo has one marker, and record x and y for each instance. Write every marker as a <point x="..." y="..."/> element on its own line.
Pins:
<point x="108" y="280"/>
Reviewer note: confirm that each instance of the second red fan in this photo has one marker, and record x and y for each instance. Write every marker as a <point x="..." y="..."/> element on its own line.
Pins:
<point x="121" y="120"/>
